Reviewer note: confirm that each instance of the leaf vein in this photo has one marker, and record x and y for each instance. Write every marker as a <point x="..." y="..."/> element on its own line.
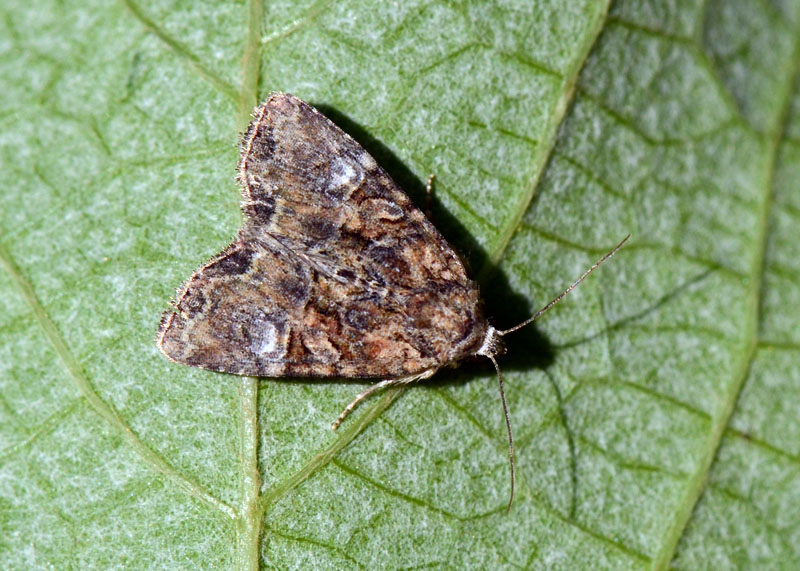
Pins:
<point x="182" y="51"/>
<point x="542" y="156"/>
<point x="667" y="553"/>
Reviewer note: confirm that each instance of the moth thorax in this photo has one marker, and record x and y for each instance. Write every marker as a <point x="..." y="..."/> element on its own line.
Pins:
<point x="492" y="344"/>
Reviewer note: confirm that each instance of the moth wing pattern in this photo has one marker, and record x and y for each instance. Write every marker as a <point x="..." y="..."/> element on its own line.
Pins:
<point x="334" y="272"/>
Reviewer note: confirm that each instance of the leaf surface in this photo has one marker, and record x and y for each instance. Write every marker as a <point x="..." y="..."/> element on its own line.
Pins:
<point x="655" y="409"/>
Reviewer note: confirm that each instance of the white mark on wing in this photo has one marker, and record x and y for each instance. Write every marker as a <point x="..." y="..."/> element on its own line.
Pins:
<point x="343" y="173"/>
<point x="267" y="340"/>
<point x="367" y="161"/>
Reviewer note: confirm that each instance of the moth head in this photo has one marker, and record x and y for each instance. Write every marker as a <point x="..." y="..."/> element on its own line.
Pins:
<point x="492" y="344"/>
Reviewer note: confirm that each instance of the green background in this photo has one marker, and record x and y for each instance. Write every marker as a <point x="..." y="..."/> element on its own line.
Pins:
<point x="656" y="409"/>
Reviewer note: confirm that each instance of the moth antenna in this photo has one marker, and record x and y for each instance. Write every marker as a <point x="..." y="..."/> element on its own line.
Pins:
<point x="508" y="426"/>
<point x="564" y="293"/>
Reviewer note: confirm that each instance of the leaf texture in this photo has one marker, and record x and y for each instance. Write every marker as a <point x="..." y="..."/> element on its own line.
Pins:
<point x="655" y="409"/>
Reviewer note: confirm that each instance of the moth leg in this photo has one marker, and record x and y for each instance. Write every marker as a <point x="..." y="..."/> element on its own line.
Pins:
<point x="378" y="386"/>
<point x="429" y="197"/>
<point x="364" y="394"/>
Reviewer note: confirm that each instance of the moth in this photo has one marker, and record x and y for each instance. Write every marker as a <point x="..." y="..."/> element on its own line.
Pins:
<point x="334" y="273"/>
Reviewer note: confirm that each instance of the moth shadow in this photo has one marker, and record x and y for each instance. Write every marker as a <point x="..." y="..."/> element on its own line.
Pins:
<point x="526" y="348"/>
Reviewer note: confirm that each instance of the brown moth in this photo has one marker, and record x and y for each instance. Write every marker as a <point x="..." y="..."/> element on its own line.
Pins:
<point x="335" y="273"/>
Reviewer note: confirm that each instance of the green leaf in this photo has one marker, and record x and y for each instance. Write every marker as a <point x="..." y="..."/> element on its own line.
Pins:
<point x="655" y="409"/>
